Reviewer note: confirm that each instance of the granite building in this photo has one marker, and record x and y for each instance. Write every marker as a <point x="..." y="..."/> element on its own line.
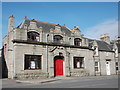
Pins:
<point x="37" y="49"/>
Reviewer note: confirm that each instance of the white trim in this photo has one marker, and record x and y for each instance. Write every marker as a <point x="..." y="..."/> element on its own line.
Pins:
<point x="108" y="68"/>
<point x="63" y="67"/>
<point x="98" y="66"/>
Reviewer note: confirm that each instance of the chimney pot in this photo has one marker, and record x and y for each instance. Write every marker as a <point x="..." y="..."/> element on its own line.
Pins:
<point x="64" y="24"/>
<point x="25" y="17"/>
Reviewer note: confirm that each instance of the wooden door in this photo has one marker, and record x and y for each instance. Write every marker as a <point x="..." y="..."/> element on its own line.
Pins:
<point x="58" y="67"/>
<point x="108" y="67"/>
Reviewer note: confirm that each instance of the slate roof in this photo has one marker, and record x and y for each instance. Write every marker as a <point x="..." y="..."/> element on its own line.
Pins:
<point x="46" y="26"/>
<point x="90" y="43"/>
<point x="102" y="46"/>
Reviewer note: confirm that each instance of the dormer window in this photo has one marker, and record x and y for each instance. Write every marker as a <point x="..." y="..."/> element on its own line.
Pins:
<point x="77" y="42"/>
<point x="57" y="27"/>
<point x="95" y="50"/>
<point x="33" y="36"/>
<point x="116" y="53"/>
<point x="58" y="38"/>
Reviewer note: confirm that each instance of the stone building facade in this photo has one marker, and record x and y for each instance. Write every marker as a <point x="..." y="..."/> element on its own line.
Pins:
<point x="0" y="64"/>
<point x="37" y="49"/>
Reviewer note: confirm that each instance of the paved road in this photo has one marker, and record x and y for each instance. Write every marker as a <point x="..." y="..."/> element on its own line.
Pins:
<point x="84" y="82"/>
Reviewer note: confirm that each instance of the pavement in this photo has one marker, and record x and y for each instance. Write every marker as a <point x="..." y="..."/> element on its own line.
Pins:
<point x="45" y="80"/>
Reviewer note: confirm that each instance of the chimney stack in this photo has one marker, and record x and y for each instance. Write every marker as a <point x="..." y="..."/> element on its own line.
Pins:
<point x="10" y="23"/>
<point x="25" y="17"/>
<point x="105" y="38"/>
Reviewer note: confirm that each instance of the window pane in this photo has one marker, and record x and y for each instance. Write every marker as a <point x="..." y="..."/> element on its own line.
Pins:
<point x="38" y="65"/>
<point x="26" y="62"/>
<point x="58" y="38"/>
<point x="78" y="62"/>
<point x="96" y="68"/>
<point x="96" y="63"/>
<point x="81" y="64"/>
<point x="116" y="68"/>
<point x="32" y="62"/>
<point x="77" y="41"/>
<point x="116" y="63"/>
<point x="34" y="36"/>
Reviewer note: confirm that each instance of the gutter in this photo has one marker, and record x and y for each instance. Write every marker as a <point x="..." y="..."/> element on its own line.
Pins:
<point x="49" y="44"/>
<point x="106" y="51"/>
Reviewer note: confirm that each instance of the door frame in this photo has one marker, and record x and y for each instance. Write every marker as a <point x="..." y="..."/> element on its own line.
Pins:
<point x="108" y="62"/>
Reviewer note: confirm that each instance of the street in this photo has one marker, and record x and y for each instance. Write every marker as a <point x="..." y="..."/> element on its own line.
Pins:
<point x="80" y="82"/>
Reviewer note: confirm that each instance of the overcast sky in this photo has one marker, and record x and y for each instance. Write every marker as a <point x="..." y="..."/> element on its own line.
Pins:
<point x="93" y="18"/>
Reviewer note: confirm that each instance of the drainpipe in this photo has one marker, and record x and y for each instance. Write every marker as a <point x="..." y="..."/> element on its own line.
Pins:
<point x="69" y="64"/>
<point x="69" y="58"/>
<point x="14" y="77"/>
<point x="94" y="65"/>
<point x="47" y="53"/>
<point x="99" y="62"/>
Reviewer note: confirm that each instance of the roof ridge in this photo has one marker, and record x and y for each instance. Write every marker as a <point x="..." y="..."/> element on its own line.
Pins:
<point x="43" y="22"/>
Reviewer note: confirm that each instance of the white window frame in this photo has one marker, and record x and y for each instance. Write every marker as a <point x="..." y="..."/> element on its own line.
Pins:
<point x="98" y="66"/>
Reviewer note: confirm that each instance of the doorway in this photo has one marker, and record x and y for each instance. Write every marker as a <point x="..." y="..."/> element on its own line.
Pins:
<point x="58" y="66"/>
<point x="108" y="67"/>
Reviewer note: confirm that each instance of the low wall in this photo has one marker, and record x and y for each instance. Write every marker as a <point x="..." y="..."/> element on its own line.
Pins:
<point x="31" y="75"/>
<point x="79" y="73"/>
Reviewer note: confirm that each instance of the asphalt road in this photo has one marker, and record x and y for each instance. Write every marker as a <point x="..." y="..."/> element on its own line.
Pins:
<point x="84" y="82"/>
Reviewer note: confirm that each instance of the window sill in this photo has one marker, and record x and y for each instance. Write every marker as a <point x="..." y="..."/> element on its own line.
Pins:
<point x="32" y="69"/>
<point x="78" y="68"/>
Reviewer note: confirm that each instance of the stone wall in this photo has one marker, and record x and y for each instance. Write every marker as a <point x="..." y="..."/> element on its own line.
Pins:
<point x="79" y="73"/>
<point x="29" y="74"/>
<point x="88" y="60"/>
<point x="0" y="64"/>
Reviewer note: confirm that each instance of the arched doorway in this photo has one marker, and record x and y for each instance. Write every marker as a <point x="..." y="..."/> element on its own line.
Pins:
<point x="58" y="66"/>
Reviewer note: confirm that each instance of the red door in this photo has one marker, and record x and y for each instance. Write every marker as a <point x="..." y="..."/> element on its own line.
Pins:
<point x="58" y="67"/>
